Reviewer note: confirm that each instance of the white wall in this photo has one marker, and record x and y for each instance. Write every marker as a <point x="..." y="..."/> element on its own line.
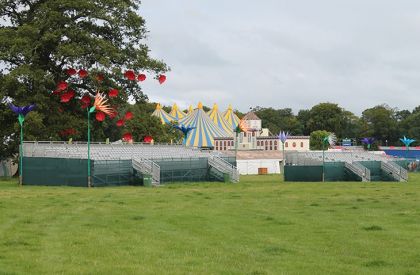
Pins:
<point x="250" y="166"/>
<point x="298" y="145"/>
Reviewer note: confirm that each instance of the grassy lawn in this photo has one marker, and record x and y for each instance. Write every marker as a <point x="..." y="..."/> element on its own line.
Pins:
<point x="259" y="226"/>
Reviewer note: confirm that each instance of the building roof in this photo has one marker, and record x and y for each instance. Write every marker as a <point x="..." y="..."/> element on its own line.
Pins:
<point x="204" y="129"/>
<point x="251" y="116"/>
<point x="255" y="154"/>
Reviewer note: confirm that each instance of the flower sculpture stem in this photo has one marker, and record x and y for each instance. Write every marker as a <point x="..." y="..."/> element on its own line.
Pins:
<point x="21" y="112"/>
<point x="88" y="168"/>
<point x="21" y="119"/>
<point x="283" y="136"/>
<point x="100" y="104"/>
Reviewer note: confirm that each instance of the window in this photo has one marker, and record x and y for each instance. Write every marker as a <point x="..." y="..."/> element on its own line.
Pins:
<point x="275" y="148"/>
<point x="286" y="144"/>
<point x="258" y="143"/>
<point x="294" y="144"/>
<point x="275" y="143"/>
<point x="301" y="145"/>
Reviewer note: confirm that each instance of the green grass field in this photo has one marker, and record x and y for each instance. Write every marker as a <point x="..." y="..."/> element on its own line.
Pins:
<point x="259" y="226"/>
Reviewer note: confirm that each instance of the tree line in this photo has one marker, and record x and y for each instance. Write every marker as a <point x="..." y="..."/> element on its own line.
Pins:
<point x="382" y="122"/>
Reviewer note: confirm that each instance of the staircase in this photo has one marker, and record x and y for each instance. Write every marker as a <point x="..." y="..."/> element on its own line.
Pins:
<point x="224" y="167"/>
<point x="147" y="167"/>
<point x="395" y="171"/>
<point x="359" y="170"/>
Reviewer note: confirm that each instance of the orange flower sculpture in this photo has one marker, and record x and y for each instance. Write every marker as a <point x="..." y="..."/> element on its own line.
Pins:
<point x="100" y="104"/>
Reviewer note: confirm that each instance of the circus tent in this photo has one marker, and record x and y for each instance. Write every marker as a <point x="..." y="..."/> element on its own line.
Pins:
<point x="176" y="113"/>
<point x="204" y="130"/>
<point x="190" y="110"/>
<point x="219" y="120"/>
<point x="231" y="117"/>
<point x="162" y="115"/>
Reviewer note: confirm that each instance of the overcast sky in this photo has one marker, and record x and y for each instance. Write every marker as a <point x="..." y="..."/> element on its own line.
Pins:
<point x="294" y="53"/>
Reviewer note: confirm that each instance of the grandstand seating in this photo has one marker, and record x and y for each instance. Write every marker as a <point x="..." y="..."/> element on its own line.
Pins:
<point x="144" y="155"/>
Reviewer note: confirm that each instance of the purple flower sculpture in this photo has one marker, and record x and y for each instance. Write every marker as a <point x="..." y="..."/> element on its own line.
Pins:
<point x="368" y="141"/>
<point x="283" y="136"/>
<point x="21" y="112"/>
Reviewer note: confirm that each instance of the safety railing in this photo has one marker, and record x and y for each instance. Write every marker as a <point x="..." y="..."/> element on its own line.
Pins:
<point x="359" y="170"/>
<point x="148" y="167"/>
<point x="394" y="170"/>
<point x="224" y="167"/>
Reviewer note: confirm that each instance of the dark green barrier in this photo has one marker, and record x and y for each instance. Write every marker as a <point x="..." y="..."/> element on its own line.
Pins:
<point x="334" y="171"/>
<point x="112" y="173"/>
<point x="54" y="171"/>
<point x="183" y="170"/>
<point x="302" y="173"/>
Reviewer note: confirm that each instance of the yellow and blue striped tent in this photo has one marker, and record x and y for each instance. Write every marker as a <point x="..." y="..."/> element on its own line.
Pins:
<point x="231" y="117"/>
<point x="190" y="110"/>
<point x="162" y="115"/>
<point x="204" y="130"/>
<point x="177" y="113"/>
<point x="219" y="120"/>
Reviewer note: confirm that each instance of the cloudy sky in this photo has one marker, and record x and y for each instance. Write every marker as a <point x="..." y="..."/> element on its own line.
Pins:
<point x="284" y="53"/>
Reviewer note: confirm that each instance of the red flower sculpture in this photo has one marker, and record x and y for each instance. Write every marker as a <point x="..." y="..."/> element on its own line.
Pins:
<point x="86" y="99"/>
<point x="66" y="97"/>
<point x="141" y="77"/>
<point x="71" y="71"/>
<point x="127" y="137"/>
<point x="148" y="139"/>
<point x="162" y="78"/>
<point x="62" y="85"/>
<point x="128" y="116"/>
<point x="113" y="114"/>
<point x="100" y="116"/>
<point x="130" y="75"/>
<point x="120" y="123"/>
<point x="82" y="73"/>
<point x="113" y="93"/>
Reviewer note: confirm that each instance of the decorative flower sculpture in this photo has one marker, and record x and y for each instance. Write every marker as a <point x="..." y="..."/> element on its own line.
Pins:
<point x="368" y="141"/>
<point x="283" y="136"/>
<point x="184" y="130"/>
<point x="330" y="140"/>
<point x="148" y="139"/>
<point x="21" y="112"/>
<point x="141" y="77"/>
<point x="162" y="78"/>
<point x="407" y="142"/>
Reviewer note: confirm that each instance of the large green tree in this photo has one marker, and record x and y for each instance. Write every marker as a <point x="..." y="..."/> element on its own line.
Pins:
<point x="381" y="122"/>
<point x="39" y="39"/>
<point x="279" y="119"/>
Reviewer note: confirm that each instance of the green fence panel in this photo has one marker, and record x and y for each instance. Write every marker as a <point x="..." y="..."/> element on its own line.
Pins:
<point x="183" y="170"/>
<point x="54" y="171"/>
<point x="112" y="173"/>
<point x="302" y="173"/>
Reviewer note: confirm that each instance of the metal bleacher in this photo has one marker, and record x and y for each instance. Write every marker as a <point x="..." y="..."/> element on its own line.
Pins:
<point x="352" y="160"/>
<point x="144" y="155"/>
